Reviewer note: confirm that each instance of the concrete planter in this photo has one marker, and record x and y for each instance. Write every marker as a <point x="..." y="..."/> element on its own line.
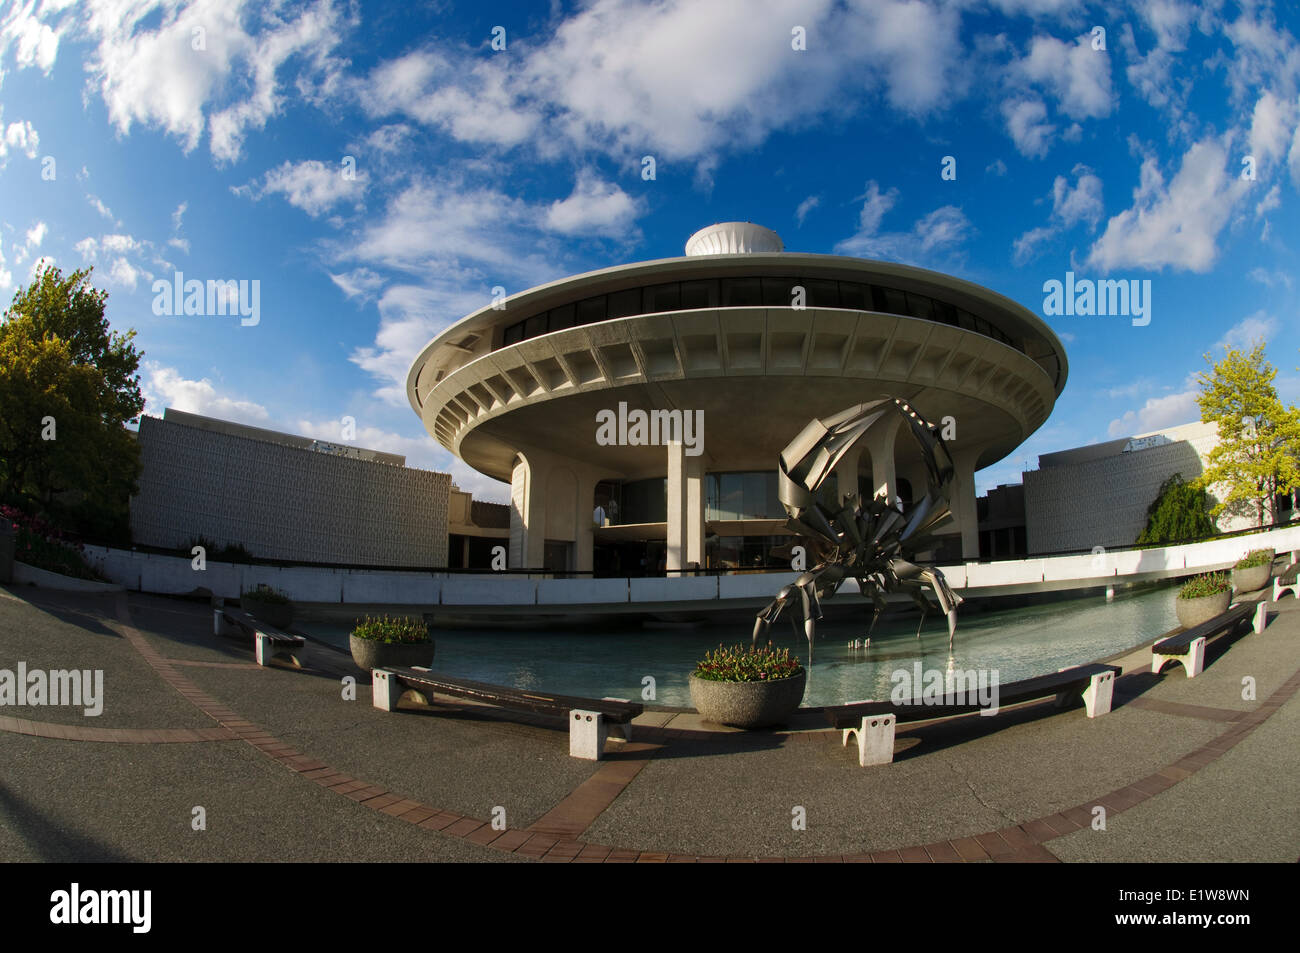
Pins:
<point x="276" y="614"/>
<point x="1252" y="579"/>
<point x="748" y="704"/>
<point x="370" y="654"/>
<point x="1192" y="612"/>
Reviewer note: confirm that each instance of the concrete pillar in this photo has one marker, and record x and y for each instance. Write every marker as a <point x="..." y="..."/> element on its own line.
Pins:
<point x="527" y="516"/>
<point x="685" y="508"/>
<point x="879" y="443"/>
<point x="583" y="535"/>
<point x="964" y="511"/>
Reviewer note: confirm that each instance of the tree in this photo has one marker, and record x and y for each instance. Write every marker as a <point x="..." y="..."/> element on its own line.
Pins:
<point x="1259" y="437"/>
<point x="1180" y="511"/>
<point x="67" y="388"/>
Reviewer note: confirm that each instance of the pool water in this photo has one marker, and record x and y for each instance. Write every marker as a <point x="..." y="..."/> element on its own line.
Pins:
<point x="616" y="662"/>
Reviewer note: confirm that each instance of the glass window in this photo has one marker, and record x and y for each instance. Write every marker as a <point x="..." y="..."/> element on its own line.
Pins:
<point x="854" y="295"/>
<point x="700" y="294"/>
<point x="890" y="300"/>
<point x="624" y="303"/>
<point x="945" y="312"/>
<point x="779" y="292"/>
<point x="662" y="298"/>
<point x="823" y="294"/>
<point x="591" y="310"/>
<point x="741" y="292"/>
<point x="920" y="306"/>
<point x="966" y="320"/>
<point x="512" y="334"/>
<point x="562" y="317"/>
<point x="535" y="325"/>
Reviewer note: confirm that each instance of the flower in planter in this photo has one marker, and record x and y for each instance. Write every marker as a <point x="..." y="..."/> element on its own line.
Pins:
<point x="744" y="663"/>
<point x="1256" y="557"/>
<point x="1206" y="584"/>
<point x="405" y="629"/>
<point x="264" y="593"/>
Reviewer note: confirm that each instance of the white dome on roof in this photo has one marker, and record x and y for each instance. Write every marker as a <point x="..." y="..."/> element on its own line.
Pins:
<point x="733" y="238"/>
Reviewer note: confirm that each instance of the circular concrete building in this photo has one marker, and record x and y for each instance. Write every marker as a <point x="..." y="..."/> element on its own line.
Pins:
<point x="638" y="412"/>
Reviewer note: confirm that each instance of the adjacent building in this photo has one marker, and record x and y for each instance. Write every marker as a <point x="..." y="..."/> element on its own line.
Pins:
<point x="638" y="412"/>
<point x="281" y="496"/>
<point x="1098" y="495"/>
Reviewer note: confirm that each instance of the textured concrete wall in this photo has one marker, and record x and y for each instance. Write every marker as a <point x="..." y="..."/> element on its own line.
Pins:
<point x="1103" y="501"/>
<point x="282" y="502"/>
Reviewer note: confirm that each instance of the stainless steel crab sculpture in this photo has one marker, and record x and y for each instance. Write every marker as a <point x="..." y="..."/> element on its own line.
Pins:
<point x="872" y="542"/>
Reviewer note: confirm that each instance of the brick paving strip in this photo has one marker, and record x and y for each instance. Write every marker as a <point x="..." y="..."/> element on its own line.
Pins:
<point x="554" y="838"/>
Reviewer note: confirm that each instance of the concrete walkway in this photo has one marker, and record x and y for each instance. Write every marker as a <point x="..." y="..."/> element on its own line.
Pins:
<point x="298" y="765"/>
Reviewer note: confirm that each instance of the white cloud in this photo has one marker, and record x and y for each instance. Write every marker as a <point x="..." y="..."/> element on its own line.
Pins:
<point x="1243" y="335"/>
<point x="1081" y="203"/>
<point x="409" y="317"/>
<point x="360" y="282"/>
<point x="595" y="207"/>
<point x="1157" y="413"/>
<point x="311" y="185"/>
<point x="806" y="206"/>
<point x="165" y="387"/>
<point x="100" y="207"/>
<point x="154" y="75"/>
<point x="1026" y="246"/>
<point x="940" y="230"/>
<point x="1272" y="126"/>
<point x="1076" y="74"/>
<point x="1177" y="226"/>
<point x="997" y="167"/>
<point x="20" y="136"/>
<point x="34" y="43"/>
<point x="1028" y="127"/>
<point x="1270" y="278"/>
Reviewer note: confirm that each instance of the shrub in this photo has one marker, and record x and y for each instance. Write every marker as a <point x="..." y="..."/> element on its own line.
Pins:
<point x="39" y="544"/>
<point x="265" y="594"/>
<point x="385" y="629"/>
<point x="231" y="553"/>
<point x="745" y="663"/>
<point x="1179" y="512"/>
<point x="1256" y="557"/>
<point x="1207" y="584"/>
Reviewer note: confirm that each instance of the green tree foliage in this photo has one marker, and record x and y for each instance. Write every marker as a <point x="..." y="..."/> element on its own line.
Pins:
<point x="1259" y="437"/>
<point x="1180" y="511"/>
<point x="64" y="375"/>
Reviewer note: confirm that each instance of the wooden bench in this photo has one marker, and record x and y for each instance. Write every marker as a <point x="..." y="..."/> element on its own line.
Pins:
<point x="590" y="720"/>
<point x="268" y="641"/>
<point x="1188" y="646"/>
<point x="874" y="723"/>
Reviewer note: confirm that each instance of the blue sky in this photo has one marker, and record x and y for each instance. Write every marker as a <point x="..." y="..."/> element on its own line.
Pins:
<point x="211" y="138"/>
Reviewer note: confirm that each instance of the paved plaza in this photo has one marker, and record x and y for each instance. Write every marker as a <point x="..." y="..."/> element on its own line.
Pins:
<point x="287" y="767"/>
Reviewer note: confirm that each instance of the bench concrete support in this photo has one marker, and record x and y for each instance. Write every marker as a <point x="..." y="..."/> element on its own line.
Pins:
<point x="1280" y="587"/>
<point x="267" y="649"/>
<point x="386" y="690"/>
<point x="1193" y="661"/>
<point x="1098" y="695"/>
<point x="587" y="734"/>
<point x="875" y="738"/>
<point x="1261" y="616"/>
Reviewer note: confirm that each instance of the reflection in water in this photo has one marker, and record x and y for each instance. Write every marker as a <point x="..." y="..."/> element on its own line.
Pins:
<point x="1020" y="643"/>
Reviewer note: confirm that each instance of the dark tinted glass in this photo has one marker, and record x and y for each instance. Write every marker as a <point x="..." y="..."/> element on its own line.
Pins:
<point x="624" y="303"/>
<point x="591" y="310"/>
<point x="699" y="294"/>
<point x="740" y="292"/>
<point x="535" y="325"/>
<point x="562" y="317"/>
<point x="854" y="295"/>
<point x="662" y="298"/>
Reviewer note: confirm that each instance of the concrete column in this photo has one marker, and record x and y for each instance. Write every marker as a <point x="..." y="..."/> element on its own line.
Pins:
<point x="527" y="516"/>
<point x="964" y="511"/>
<point x="685" y="508"/>
<point x="879" y="442"/>
<point x="583" y="536"/>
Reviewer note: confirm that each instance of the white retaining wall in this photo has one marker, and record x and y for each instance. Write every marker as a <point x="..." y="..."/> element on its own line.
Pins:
<point x="175" y="575"/>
